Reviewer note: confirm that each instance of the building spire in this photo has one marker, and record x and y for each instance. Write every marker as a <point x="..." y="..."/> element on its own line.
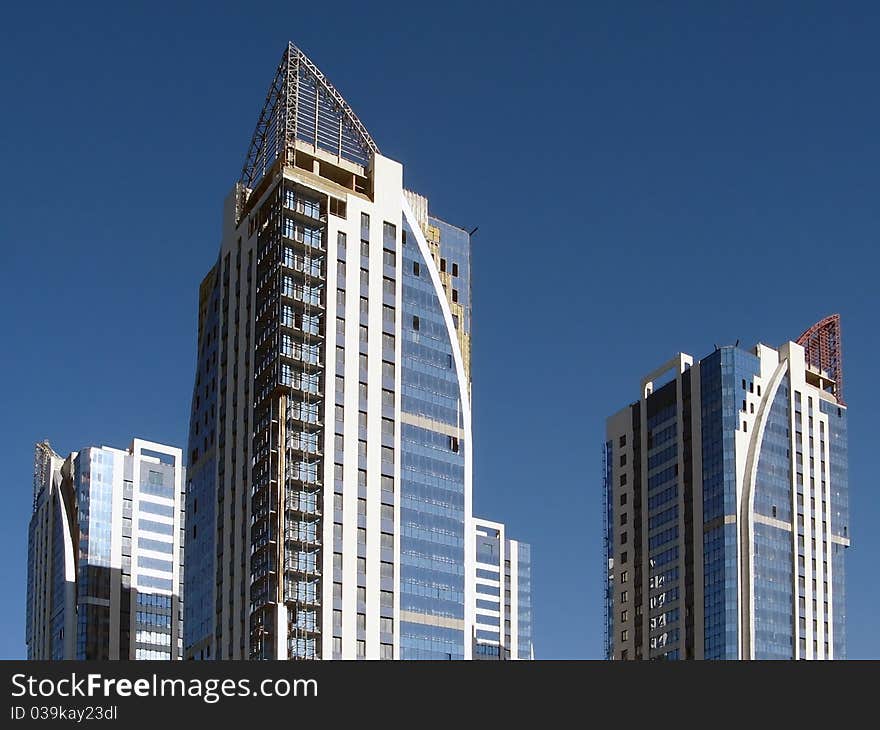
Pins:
<point x="823" y="350"/>
<point x="302" y="105"/>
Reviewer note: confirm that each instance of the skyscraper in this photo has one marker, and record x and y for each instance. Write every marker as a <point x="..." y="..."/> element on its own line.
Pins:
<point x="105" y="554"/>
<point x="727" y="514"/>
<point x="502" y="576"/>
<point x="329" y="492"/>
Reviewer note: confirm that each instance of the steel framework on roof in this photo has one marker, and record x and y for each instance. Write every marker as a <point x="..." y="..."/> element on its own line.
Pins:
<point x="284" y="114"/>
<point x="822" y="347"/>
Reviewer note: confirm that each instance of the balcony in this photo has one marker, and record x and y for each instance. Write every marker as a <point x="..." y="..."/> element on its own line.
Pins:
<point x="303" y="208"/>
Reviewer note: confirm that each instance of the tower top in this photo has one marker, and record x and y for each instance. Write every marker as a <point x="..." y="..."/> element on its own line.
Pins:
<point x="302" y="105"/>
<point x="822" y="350"/>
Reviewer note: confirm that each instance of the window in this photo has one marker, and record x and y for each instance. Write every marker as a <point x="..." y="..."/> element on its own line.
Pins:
<point x="387" y="512"/>
<point x="623" y="479"/>
<point x="624" y="576"/>
<point x="623" y="459"/>
<point x="624" y="616"/>
<point x="362" y="622"/>
<point x="337" y="208"/>
<point x="624" y="596"/>
<point x="386" y="570"/>
<point x="455" y="295"/>
<point x="623" y="557"/>
<point x="387" y="483"/>
<point x="453" y="444"/>
<point x="365" y="227"/>
<point x="621" y="442"/>
<point x="362" y="507"/>
<point x="362" y="536"/>
<point x="361" y="594"/>
<point x="337" y="618"/>
<point x="624" y="635"/>
<point x="361" y="649"/>
<point x="386" y="541"/>
<point x="337" y="591"/>
<point x="389" y="234"/>
<point x="415" y="323"/>
<point x="623" y="499"/>
<point x="623" y="538"/>
<point x="454" y="269"/>
<point x="386" y="625"/>
<point x="623" y="518"/>
<point x="415" y="268"/>
<point x="443" y="265"/>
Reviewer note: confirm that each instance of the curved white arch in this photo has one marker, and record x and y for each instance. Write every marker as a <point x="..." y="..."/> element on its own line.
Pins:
<point x="746" y="531"/>
<point x="69" y="571"/>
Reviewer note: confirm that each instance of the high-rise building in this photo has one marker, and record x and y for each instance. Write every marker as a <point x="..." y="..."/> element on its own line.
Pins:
<point x="105" y="554"/>
<point x="329" y="462"/>
<point x="502" y="577"/>
<point x="727" y="515"/>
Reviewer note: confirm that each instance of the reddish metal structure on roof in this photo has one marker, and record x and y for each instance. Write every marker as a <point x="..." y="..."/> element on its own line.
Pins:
<point x="821" y="343"/>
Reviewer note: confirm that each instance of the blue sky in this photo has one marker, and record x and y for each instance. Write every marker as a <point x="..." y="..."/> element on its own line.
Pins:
<point x="646" y="178"/>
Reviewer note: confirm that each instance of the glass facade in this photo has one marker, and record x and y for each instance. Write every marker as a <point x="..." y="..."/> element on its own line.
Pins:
<point x="839" y="527"/>
<point x="57" y="617"/>
<point x="720" y="376"/>
<point x="94" y="495"/>
<point x="201" y="488"/>
<point x="524" y="601"/>
<point x="664" y="482"/>
<point x="608" y="498"/>
<point x="432" y="500"/>
<point x="773" y="545"/>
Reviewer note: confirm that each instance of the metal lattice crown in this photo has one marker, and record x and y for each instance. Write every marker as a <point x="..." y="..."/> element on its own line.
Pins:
<point x="822" y="350"/>
<point x="303" y="105"/>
